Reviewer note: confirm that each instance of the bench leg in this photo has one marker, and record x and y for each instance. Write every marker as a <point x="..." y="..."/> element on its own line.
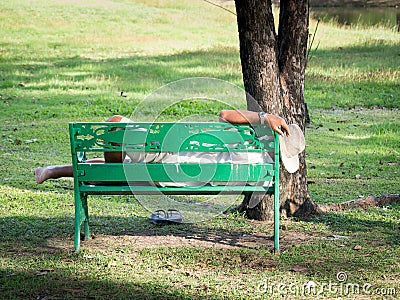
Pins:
<point x="78" y="221"/>
<point x="276" y="232"/>
<point x="86" y="218"/>
<point x="81" y="215"/>
<point x="276" y="219"/>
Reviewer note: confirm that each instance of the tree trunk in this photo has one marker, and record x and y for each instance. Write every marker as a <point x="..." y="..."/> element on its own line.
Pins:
<point x="273" y="69"/>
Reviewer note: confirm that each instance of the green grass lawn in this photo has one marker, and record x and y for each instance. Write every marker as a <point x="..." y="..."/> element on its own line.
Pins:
<point x="64" y="61"/>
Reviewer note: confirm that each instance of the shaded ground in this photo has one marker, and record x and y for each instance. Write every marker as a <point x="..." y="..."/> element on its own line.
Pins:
<point x="146" y="238"/>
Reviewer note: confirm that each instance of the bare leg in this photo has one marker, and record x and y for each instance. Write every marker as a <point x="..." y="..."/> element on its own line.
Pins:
<point x="54" y="172"/>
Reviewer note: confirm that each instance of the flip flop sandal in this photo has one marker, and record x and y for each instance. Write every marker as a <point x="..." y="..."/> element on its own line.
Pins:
<point x="158" y="217"/>
<point x="162" y="217"/>
<point x="174" y="216"/>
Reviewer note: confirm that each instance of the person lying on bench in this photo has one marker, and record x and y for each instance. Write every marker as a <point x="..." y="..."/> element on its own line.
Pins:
<point x="276" y="123"/>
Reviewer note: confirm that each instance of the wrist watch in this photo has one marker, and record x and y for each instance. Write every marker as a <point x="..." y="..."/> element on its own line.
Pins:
<point x="262" y="115"/>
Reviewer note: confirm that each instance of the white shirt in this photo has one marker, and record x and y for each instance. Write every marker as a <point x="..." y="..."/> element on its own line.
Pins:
<point x="200" y="158"/>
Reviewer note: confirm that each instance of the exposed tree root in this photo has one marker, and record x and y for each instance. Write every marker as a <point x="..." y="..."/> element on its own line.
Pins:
<point x="309" y="207"/>
<point x="364" y="203"/>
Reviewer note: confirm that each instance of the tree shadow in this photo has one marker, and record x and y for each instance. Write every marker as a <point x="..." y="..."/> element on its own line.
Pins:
<point x="141" y="73"/>
<point x="61" y="284"/>
<point x="46" y="267"/>
<point x="368" y="71"/>
<point x="43" y="230"/>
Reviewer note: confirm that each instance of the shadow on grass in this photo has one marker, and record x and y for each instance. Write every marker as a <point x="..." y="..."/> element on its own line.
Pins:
<point x="96" y="79"/>
<point x="371" y="71"/>
<point x="61" y="284"/>
<point x="38" y="260"/>
<point x="365" y="223"/>
<point x="42" y="231"/>
<point x="136" y="73"/>
<point x="32" y="230"/>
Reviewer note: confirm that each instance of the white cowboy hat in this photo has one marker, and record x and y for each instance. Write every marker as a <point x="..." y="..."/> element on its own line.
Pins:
<point x="291" y="146"/>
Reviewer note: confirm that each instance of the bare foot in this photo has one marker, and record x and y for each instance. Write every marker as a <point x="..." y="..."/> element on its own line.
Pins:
<point x="41" y="174"/>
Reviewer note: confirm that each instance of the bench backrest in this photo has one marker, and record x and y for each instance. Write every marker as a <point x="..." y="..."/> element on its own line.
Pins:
<point x="95" y="137"/>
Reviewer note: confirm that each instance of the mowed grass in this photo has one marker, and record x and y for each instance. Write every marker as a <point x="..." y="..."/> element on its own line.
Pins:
<point x="64" y="61"/>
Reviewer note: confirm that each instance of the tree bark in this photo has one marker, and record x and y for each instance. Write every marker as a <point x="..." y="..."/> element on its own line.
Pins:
<point x="273" y="69"/>
<point x="258" y="53"/>
<point x="292" y="60"/>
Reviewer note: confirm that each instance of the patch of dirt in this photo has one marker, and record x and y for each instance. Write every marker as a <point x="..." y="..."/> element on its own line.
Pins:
<point x="221" y="240"/>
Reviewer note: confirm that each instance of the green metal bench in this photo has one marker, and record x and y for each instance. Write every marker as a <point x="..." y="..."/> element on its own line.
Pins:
<point x="95" y="138"/>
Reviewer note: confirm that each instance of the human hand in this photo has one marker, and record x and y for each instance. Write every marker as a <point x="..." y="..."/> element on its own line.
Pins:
<point x="278" y="124"/>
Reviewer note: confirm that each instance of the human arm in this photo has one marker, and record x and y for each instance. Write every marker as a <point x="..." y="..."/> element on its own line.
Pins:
<point x="276" y="123"/>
